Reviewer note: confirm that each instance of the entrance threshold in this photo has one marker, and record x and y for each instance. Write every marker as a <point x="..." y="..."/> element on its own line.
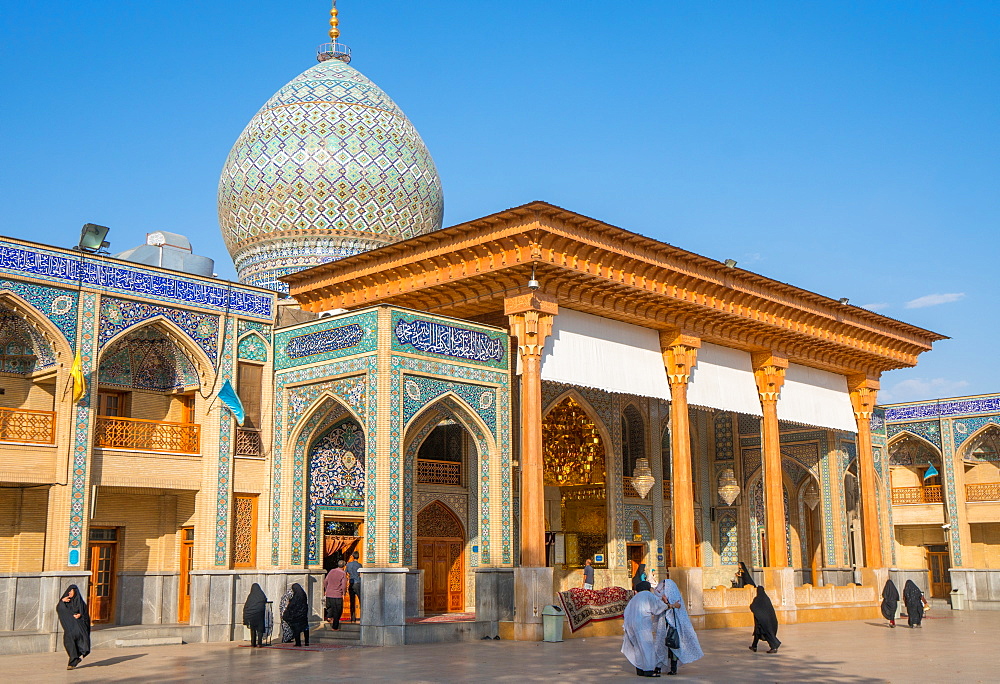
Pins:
<point x="442" y="617"/>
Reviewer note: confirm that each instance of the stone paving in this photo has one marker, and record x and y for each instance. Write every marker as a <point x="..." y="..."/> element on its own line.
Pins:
<point x="951" y="647"/>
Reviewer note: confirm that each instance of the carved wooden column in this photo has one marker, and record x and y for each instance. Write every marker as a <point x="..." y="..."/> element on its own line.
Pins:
<point x="864" y="390"/>
<point x="530" y="318"/>
<point x="680" y="353"/>
<point x="769" y="372"/>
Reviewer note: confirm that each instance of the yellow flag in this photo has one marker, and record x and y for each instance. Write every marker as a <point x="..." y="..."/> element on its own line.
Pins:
<point x="79" y="382"/>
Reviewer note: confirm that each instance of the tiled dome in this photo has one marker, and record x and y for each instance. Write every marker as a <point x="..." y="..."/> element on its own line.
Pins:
<point x="329" y="167"/>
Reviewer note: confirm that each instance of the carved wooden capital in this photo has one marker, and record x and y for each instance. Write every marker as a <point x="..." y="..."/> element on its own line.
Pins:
<point x="864" y="393"/>
<point x="769" y="372"/>
<point x="680" y="354"/>
<point x="531" y="328"/>
<point x="531" y="301"/>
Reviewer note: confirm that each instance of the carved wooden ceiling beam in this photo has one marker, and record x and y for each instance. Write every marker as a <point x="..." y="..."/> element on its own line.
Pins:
<point x="468" y="269"/>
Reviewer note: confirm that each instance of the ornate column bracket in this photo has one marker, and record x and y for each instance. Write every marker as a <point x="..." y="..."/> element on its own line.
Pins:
<point x="769" y="372"/>
<point x="864" y="391"/>
<point x="531" y="317"/>
<point x="680" y="353"/>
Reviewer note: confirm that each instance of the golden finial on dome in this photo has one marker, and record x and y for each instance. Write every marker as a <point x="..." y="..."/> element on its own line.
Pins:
<point x="334" y="49"/>
<point x="334" y="23"/>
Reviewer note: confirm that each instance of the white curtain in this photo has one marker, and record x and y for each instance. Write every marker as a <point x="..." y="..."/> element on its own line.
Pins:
<point x="814" y="397"/>
<point x="723" y="379"/>
<point x="591" y="351"/>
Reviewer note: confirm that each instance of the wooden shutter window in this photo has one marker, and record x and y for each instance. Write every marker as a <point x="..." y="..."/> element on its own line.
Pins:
<point x="248" y="383"/>
<point x="244" y="530"/>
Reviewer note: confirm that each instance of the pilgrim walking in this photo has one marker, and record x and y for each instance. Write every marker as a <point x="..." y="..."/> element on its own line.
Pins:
<point x="640" y="624"/>
<point x="75" y="621"/>
<point x="765" y="621"/>
<point x="253" y="615"/>
<point x="685" y="648"/>
<point x="334" y="587"/>
<point x="296" y="614"/>
<point x="914" y="601"/>
<point x="890" y="602"/>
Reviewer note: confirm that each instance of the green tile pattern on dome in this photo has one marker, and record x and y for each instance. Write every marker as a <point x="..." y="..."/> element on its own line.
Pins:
<point x="329" y="167"/>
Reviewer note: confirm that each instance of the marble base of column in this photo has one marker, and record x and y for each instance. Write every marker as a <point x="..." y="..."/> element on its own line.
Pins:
<point x="495" y="594"/>
<point x="780" y="586"/>
<point x="534" y="588"/>
<point x="689" y="581"/>
<point x="874" y="577"/>
<point x="383" y="606"/>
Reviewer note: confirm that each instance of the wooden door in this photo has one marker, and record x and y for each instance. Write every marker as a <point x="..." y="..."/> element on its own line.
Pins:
<point x="635" y="555"/>
<point x="186" y="564"/>
<point x="103" y="567"/>
<point x="441" y="561"/>
<point x="940" y="578"/>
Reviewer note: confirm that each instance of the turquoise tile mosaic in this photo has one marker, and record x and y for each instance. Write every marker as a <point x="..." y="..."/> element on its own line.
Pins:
<point x="329" y="167"/>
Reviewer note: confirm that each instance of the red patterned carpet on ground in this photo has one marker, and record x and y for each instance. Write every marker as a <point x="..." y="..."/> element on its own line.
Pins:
<point x="593" y="605"/>
<point x="443" y="617"/>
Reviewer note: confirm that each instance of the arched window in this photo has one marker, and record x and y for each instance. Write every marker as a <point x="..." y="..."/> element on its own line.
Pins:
<point x="439" y="459"/>
<point x="633" y="439"/>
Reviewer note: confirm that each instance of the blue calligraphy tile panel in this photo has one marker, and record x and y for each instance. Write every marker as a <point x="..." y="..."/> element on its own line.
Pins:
<point x="328" y="338"/>
<point x="944" y="408"/>
<point x="110" y="276"/>
<point x="417" y="334"/>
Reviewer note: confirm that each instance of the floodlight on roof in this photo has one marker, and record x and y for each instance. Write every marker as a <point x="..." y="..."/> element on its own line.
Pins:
<point x="92" y="238"/>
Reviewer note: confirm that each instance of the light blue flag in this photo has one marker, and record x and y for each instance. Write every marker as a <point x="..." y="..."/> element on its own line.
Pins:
<point x="232" y="401"/>
<point x="931" y="472"/>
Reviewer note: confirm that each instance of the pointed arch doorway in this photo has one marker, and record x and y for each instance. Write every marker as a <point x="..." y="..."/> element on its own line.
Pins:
<point x="440" y="554"/>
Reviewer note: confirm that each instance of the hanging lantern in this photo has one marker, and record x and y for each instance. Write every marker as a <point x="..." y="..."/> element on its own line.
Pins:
<point x="811" y="496"/>
<point x="642" y="477"/>
<point x="729" y="488"/>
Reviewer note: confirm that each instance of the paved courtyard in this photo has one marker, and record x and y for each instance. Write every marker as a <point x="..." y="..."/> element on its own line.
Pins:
<point x="951" y="647"/>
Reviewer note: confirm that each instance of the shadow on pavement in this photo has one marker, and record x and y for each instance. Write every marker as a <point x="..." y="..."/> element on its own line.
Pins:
<point x="114" y="661"/>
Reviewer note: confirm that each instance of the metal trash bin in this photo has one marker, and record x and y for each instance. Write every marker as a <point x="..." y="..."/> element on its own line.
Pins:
<point x="958" y="599"/>
<point x="553" y="618"/>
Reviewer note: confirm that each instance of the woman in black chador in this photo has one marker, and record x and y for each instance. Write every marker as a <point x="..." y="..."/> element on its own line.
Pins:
<point x="890" y="601"/>
<point x="765" y="622"/>
<point x="296" y="614"/>
<point x="913" y="599"/>
<point x="744" y="577"/>
<point x="253" y="614"/>
<point x="75" y="621"/>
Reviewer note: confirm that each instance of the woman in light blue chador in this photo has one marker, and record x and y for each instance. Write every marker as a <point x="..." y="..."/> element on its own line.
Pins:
<point x="689" y="650"/>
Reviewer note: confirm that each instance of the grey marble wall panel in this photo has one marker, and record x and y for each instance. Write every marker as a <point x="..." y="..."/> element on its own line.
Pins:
<point x="415" y="593"/>
<point x="27" y="603"/>
<point x="8" y="589"/>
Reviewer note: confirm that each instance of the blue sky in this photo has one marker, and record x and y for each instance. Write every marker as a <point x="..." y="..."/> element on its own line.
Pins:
<point x="850" y="148"/>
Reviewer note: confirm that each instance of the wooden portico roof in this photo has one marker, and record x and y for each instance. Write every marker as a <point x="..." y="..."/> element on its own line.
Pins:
<point x="467" y="270"/>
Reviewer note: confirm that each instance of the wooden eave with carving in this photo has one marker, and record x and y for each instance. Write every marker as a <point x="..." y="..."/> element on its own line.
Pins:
<point x="467" y="270"/>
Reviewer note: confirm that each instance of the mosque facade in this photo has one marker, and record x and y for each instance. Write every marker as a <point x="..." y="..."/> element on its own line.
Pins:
<point x="475" y="410"/>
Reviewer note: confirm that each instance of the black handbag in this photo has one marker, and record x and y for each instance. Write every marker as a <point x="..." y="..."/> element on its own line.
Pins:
<point x="673" y="639"/>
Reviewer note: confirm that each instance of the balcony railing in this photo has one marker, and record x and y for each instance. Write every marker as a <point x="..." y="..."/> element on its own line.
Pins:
<point x="985" y="491"/>
<point x="916" y="495"/>
<point x="584" y="493"/>
<point x="147" y="435"/>
<point x="439" y="472"/>
<point x="248" y="442"/>
<point x="25" y="425"/>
